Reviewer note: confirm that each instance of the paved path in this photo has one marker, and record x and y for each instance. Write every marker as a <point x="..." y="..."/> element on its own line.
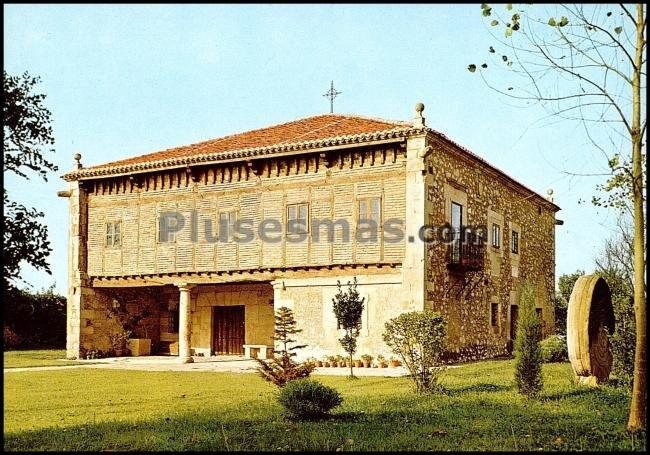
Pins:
<point x="166" y="363"/>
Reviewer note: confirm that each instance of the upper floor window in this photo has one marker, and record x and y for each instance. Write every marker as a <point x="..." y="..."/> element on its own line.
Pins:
<point x="298" y="218"/>
<point x="227" y="222"/>
<point x="370" y="209"/>
<point x="496" y="235"/>
<point x="114" y="234"/>
<point x="514" y="242"/>
<point x="456" y="216"/>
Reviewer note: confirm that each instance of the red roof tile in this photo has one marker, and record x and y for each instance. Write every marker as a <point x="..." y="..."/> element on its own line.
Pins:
<point x="307" y="129"/>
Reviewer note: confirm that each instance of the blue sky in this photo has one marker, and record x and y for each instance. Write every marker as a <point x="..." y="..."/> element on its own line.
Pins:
<point x="123" y="80"/>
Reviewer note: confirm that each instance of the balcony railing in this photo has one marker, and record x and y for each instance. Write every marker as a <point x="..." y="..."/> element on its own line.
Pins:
<point x="466" y="252"/>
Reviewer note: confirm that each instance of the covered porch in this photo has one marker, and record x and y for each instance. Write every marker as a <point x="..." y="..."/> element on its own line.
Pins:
<point x="186" y="320"/>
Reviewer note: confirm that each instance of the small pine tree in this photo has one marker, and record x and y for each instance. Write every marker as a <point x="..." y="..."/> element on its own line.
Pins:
<point x="282" y="368"/>
<point x="528" y="355"/>
<point x="285" y="327"/>
<point x="348" y="307"/>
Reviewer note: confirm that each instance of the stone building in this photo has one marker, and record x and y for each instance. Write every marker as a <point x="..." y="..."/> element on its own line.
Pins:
<point x="171" y="231"/>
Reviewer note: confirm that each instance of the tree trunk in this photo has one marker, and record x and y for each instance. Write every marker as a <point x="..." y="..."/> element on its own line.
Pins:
<point x="637" y="418"/>
<point x="351" y="372"/>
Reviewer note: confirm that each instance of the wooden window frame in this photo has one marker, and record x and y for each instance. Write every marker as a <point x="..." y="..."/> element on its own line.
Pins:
<point x="231" y="223"/>
<point x="514" y="242"/>
<point x="494" y="314"/>
<point x="113" y="237"/>
<point x="297" y="207"/>
<point x="368" y="201"/>
<point x="496" y="235"/>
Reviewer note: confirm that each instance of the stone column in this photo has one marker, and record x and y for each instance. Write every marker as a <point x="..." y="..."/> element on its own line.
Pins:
<point x="78" y="283"/>
<point x="184" y="323"/>
<point x="413" y="270"/>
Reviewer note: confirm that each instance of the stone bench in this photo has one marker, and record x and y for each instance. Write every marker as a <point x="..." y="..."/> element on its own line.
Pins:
<point x="263" y="350"/>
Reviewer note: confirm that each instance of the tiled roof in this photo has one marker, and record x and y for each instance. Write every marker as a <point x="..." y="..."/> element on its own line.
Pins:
<point x="297" y="131"/>
<point x="329" y="130"/>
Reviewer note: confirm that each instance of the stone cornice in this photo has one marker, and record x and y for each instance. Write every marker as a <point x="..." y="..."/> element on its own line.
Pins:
<point x="391" y="135"/>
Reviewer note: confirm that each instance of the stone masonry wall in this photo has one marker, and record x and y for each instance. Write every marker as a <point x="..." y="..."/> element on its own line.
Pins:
<point x="486" y="199"/>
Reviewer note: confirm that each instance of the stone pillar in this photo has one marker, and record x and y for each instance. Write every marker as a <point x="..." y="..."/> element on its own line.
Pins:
<point x="78" y="283"/>
<point x="184" y="323"/>
<point x="413" y="270"/>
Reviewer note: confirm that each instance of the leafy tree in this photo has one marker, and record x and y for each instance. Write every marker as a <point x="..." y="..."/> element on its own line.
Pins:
<point x="528" y="354"/>
<point x="24" y="239"/>
<point x="348" y="307"/>
<point x="418" y="338"/>
<point x="34" y="320"/>
<point x="587" y="63"/>
<point x="562" y="296"/>
<point x="282" y="368"/>
<point x="615" y="264"/>
<point x="27" y="136"/>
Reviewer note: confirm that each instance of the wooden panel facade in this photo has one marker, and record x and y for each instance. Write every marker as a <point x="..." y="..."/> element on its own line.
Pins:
<point x="252" y="193"/>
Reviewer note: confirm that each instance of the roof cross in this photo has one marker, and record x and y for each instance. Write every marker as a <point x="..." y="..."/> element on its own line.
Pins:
<point x="331" y="94"/>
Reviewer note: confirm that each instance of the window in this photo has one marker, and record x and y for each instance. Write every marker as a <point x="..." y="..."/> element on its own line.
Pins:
<point x="496" y="235"/>
<point x="113" y="234"/>
<point x="514" y="242"/>
<point x="168" y="227"/>
<point x="370" y="209"/>
<point x="494" y="314"/>
<point x="297" y="218"/>
<point x="227" y="221"/>
<point x="456" y="216"/>
<point x="538" y="312"/>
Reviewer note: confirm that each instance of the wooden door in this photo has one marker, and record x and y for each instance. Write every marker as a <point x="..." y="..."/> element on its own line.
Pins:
<point x="228" y="329"/>
<point x="514" y="316"/>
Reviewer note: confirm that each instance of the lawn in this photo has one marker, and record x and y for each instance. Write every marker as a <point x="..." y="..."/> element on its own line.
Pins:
<point x="36" y="358"/>
<point x="93" y="409"/>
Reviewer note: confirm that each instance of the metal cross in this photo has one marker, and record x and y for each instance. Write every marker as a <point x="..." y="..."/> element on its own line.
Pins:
<point x="331" y="94"/>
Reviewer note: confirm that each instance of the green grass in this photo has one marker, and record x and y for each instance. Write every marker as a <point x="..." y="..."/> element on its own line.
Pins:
<point x="36" y="358"/>
<point x="93" y="409"/>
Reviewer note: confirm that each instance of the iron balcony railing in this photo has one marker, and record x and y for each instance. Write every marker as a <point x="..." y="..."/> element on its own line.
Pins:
<point x="466" y="251"/>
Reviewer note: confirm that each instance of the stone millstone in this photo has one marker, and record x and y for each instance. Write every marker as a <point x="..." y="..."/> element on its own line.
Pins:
<point x="590" y="318"/>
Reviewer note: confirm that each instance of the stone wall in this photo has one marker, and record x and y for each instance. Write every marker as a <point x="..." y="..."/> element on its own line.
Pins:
<point x="487" y="198"/>
<point x="311" y="301"/>
<point x="97" y="325"/>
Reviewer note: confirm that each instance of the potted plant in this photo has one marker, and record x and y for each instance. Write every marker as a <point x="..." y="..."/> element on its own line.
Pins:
<point x="118" y="342"/>
<point x="382" y="361"/>
<point x="319" y="363"/>
<point x="130" y="322"/>
<point x="331" y="360"/>
<point x="394" y="362"/>
<point x="357" y="363"/>
<point x="366" y="359"/>
<point x="340" y="361"/>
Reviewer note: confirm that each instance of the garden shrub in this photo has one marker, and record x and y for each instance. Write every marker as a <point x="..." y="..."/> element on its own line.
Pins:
<point x="623" y="340"/>
<point x="554" y="349"/>
<point x="418" y="338"/>
<point x="308" y="399"/>
<point x="528" y="355"/>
